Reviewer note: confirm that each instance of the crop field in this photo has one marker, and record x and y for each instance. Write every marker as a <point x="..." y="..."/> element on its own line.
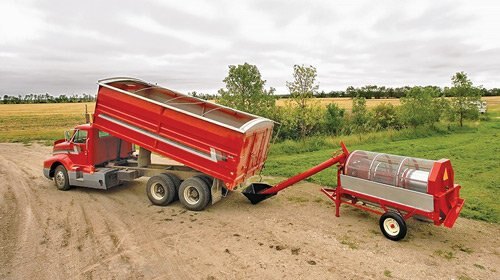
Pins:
<point x="28" y="122"/>
<point x="346" y="103"/>
<point x="47" y="122"/>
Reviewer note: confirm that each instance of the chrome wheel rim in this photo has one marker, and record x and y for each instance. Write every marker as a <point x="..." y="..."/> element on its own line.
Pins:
<point x="158" y="191"/>
<point x="191" y="195"/>
<point x="60" y="180"/>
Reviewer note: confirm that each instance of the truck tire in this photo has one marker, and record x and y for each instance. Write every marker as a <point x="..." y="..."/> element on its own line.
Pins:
<point x="61" y="179"/>
<point x="194" y="193"/>
<point x="207" y="179"/>
<point x="160" y="189"/>
<point x="393" y="226"/>
<point x="177" y="184"/>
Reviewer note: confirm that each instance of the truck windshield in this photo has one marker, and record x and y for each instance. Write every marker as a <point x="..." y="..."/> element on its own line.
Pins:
<point x="80" y="136"/>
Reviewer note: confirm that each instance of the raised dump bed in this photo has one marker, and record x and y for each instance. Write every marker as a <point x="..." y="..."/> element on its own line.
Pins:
<point x="222" y="142"/>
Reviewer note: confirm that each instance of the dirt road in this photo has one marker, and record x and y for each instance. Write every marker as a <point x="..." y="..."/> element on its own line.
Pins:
<point x="92" y="234"/>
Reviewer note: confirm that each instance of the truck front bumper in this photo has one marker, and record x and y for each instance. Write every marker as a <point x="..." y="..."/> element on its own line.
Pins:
<point x="46" y="173"/>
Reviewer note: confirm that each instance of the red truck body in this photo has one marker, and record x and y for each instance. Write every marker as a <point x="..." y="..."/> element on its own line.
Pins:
<point x="224" y="143"/>
<point x="221" y="142"/>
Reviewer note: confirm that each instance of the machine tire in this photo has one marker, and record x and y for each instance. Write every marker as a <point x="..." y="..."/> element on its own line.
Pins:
<point x="393" y="226"/>
<point x="194" y="193"/>
<point x="61" y="179"/>
<point x="177" y="183"/>
<point x="160" y="189"/>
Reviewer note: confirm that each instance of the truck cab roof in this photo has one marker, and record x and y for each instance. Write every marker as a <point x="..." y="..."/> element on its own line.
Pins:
<point x="85" y="126"/>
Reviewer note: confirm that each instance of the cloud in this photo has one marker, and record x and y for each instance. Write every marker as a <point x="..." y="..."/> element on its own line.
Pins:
<point x="62" y="46"/>
<point x="19" y="23"/>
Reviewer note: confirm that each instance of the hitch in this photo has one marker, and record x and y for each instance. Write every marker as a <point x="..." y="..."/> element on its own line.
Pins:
<point x="258" y="192"/>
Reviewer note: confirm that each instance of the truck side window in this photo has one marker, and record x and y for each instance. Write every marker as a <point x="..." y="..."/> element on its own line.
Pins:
<point x="103" y="134"/>
<point x="80" y="136"/>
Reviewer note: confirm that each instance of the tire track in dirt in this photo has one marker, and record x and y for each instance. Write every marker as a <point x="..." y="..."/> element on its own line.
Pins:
<point x="118" y="234"/>
<point x="26" y="227"/>
<point x="9" y="224"/>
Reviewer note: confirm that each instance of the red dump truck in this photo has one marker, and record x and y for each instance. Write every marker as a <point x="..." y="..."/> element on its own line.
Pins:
<point x="219" y="147"/>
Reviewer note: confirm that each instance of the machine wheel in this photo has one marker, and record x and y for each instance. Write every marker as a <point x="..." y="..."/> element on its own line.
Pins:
<point x="393" y="226"/>
<point x="194" y="193"/>
<point x="61" y="179"/>
<point x="160" y="189"/>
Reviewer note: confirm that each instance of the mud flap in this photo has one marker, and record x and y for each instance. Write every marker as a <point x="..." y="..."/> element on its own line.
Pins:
<point x="217" y="190"/>
<point x="252" y="192"/>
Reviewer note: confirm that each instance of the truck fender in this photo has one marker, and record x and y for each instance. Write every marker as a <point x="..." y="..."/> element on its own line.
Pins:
<point x="53" y="168"/>
<point x="64" y="162"/>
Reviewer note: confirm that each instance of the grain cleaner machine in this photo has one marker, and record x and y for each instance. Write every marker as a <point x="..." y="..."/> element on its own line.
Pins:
<point x="395" y="187"/>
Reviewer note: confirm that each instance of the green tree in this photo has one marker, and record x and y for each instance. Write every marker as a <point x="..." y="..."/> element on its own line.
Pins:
<point x="302" y="90"/>
<point x="419" y="107"/>
<point x="304" y="85"/>
<point x="360" y="117"/>
<point x="465" y="98"/>
<point x="334" y="119"/>
<point x="245" y="91"/>
<point x="288" y="117"/>
<point x="385" y="116"/>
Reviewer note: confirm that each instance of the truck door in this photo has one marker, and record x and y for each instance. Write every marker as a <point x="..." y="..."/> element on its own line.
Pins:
<point x="79" y="153"/>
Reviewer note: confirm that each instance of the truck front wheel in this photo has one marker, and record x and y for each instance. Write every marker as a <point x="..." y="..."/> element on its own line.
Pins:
<point x="160" y="189"/>
<point x="194" y="193"/>
<point x="61" y="179"/>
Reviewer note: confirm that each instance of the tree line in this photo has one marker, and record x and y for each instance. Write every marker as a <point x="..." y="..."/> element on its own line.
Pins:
<point x="368" y="92"/>
<point x="303" y="116"/>
<point x="381" y="92"/>
<point x="46" y="98"/>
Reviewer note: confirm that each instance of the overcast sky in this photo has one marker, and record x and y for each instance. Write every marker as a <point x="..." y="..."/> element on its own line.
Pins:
<point x="61" y="46"/>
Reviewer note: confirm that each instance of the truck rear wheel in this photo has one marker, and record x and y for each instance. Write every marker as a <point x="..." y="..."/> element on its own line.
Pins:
<point x="393" y="226"/>
<point x="177" y="184"/>
<point x="206" y="178"/>
<point x="194" y="193"/>
<point x="161" y="189"/>
<point x="61" y="179"/>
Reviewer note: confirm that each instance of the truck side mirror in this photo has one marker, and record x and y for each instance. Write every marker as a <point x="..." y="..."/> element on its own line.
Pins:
<point x="67" y="137"/>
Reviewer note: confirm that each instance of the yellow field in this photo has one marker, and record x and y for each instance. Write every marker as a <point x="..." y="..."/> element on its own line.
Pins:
<point x="44" y="109"/>
<point x="346" y="103"/>
<point x="27" y="122"/>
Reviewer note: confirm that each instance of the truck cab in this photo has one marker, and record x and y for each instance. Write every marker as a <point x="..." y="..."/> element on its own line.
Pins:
<point x="80" y="158"/>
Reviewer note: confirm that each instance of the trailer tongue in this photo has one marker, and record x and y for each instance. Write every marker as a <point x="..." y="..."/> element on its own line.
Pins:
<point x="395" y="187"/>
